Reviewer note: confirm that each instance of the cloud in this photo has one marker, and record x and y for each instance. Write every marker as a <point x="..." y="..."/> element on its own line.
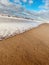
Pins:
<point x="44" y="10"/>
<point x="9" y="7"/>
<point x="17" y="1"/>
<point x="30" y="1"/>
<point x="46" y="4"/>
<point x="24" y="0"/>
<point x="5" y="2"/>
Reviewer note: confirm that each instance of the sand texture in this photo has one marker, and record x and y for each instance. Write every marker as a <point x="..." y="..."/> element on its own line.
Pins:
<point x="29" y="48"/>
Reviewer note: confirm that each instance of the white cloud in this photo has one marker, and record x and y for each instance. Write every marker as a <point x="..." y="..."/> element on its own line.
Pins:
<point x="16" y="0"/>
<point x="43" y="14"/>
<point x="5" y="2"/>
<point x="47" y="4"/>
<point x="30" y="2"/>
<point x="24" y="0"/>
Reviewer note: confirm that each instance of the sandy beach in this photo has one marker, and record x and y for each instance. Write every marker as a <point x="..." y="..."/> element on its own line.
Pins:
<point x="29" y="48"/>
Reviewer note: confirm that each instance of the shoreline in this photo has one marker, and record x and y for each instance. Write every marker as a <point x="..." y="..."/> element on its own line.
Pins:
<point x="10" y="27"/>
<point x="4" y="38"/>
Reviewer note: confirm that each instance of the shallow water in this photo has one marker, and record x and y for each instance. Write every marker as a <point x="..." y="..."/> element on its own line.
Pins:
<point x="11" y="27"/>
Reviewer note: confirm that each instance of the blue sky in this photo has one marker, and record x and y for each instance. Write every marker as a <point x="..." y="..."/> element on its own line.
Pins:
<point x="36" y="5"/>
<point x="30" y="4"/>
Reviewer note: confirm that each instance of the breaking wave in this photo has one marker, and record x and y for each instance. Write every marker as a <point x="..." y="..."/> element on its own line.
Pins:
<point x="10" y="27"/>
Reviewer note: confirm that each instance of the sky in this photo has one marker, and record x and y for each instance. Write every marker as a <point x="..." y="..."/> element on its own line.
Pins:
<point x="30" y="4"/>
<point x="38" y="7"/>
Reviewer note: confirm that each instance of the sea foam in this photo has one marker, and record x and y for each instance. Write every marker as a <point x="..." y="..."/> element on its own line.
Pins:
<point x="10" y="26"/>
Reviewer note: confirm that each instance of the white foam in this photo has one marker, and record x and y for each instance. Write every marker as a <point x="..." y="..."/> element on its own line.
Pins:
<point x="11" y="27"/>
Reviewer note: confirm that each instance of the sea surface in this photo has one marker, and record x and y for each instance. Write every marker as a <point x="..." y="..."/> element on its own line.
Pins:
<point x="10" y="26"/>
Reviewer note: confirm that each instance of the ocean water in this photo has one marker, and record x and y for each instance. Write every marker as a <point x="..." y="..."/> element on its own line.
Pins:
<point x="10" y="27"/>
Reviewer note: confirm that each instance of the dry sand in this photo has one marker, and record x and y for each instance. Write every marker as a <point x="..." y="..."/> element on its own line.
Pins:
<point x="29" y="48"/>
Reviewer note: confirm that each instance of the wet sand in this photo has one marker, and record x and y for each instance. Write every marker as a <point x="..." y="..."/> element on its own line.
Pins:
<point x="29" y="48"/>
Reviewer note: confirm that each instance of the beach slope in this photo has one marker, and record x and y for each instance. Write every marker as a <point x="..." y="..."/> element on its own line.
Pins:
<point x="29" y="48"/>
